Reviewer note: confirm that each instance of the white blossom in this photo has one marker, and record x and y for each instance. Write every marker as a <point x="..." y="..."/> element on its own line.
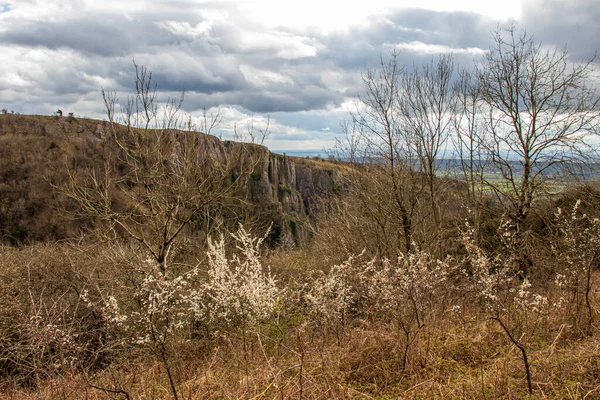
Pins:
<point x="238" y="290"/>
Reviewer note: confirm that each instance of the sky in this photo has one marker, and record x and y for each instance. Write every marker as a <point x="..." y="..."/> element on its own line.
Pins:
<point x="297" y="64"/>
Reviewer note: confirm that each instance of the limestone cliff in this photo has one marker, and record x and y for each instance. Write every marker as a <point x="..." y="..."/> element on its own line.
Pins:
<point x="293" y="188"/>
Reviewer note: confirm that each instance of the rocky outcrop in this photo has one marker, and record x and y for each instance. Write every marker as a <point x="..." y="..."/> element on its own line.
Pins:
<point x="293" y="189"/>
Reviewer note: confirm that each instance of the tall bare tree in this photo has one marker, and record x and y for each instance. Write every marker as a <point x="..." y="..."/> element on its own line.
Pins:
<point x="377" y="119"/>
<point x="162" y="175"/>
<point x="467" y="122"/>
<point x="538" y="110"/>
<point x="401" y="126"/>
<point x="157" y="178"/>
<point x="427" y="104"/>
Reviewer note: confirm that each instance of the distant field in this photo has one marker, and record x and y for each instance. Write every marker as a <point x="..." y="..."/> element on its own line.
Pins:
<point x="302" y="153"/>
<point x="556" y="179"/>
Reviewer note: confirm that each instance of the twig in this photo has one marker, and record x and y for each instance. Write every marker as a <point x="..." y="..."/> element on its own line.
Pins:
<point x="418" y="384"/>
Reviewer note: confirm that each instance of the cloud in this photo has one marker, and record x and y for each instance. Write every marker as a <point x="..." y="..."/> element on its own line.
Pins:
<point x="185" y="30"/>
<point x="555" y="23"/>
<point x="262" y="77"/>
<point x="87" y="36"/>
<point x="61" y="52"/>
<point x="279" y="44"/>
<point x="424" y="48"/>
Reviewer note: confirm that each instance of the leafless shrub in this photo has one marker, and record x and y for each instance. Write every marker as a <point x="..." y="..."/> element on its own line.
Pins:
<point x="506" y="297"/>
<point x="578" y="248"/>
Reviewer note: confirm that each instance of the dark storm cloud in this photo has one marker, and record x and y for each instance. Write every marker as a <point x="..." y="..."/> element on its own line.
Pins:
<point x="265" y="102"/>
<point x="308" y="98"/>
<point x="574" y="24"/>
<point x="106" y="36"/>
<point x="177" y="71"/>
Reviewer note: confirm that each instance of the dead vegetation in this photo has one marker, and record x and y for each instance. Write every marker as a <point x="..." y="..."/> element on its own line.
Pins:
<point x="414" y="285"/>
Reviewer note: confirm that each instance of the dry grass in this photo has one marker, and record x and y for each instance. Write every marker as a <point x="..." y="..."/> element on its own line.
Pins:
<point x="294" y="354"/>
<point x="451" y="361"/>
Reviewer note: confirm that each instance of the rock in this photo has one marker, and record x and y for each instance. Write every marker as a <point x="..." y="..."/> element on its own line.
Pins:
<point x="295" y="187"/>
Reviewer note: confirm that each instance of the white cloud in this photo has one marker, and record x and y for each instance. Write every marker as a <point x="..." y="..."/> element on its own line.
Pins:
<point x="425" y="48"/>
<point x="184" y="29"/>
<point x="262" y="77"/>
<point x="279" y="43"/>
<point x="329" y="16"/>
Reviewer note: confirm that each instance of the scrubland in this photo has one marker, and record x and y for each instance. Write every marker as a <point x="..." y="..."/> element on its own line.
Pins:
<point x="233" y="319"/>
<point x="169" y="282"/>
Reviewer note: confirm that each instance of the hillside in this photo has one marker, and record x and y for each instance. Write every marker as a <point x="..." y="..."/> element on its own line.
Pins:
<point x="37" y="153"/>
<point x="144" y="308"/>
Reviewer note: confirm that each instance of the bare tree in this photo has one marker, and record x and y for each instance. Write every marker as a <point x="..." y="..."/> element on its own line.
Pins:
<point x="427" y="104"/>
<point x="348" y="147"/>
<point x="167" y="178"/>
<point x="538" y="108"/>
<point x="401" y="126"/>
<point x="467" y="123"/>
<point x="209" y="121"/>
<point x="377" y="119"/>
<point x="252" y="135"/>
<point x="156" y="179"/>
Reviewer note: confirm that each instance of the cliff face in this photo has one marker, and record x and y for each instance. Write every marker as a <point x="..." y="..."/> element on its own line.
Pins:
<point x="285" y="192"/>
<point x="292" y="188"/>
<point x="36" y="151"/>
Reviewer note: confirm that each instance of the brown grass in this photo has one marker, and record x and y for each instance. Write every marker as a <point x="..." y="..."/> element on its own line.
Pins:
<point x="451" y="361"/>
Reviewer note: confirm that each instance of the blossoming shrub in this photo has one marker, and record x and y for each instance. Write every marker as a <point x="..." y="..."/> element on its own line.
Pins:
<point x="507" y="297"/>
<point x="232" y="291"/>
<point x="408" y="288"/>
<point x="238" y="292"/>
<point x="45" y="330"/>
<point x="408" y="292"/>
<point x="340" y="294"/>
<point x="495" y="281"/>
<point x="153" y="310"/>
<point x="577" y="246"/>
<point x="404" y="292"/>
